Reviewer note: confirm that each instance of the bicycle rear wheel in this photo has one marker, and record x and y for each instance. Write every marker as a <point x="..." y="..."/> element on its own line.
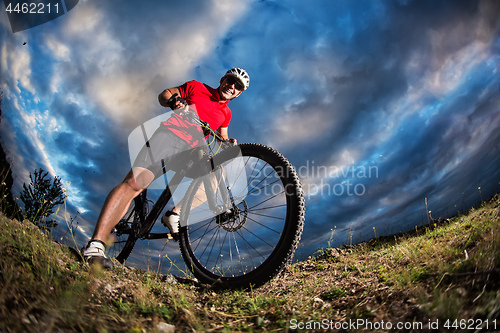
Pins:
<point x="124" y="233"/>
<point x="252" y="242"/>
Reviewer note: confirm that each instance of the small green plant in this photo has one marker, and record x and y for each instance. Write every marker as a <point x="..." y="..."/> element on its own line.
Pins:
<point x="320" y="267"/>
<point x="333" y="293"/>
<point x="330" y="241"/>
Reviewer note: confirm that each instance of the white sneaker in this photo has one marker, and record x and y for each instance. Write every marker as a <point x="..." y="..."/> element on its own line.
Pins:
<point x="171" y="221"/>
<point x="95" y="253"/>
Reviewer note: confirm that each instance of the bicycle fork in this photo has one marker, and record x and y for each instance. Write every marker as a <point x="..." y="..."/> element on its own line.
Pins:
<point x="221" y="184"/>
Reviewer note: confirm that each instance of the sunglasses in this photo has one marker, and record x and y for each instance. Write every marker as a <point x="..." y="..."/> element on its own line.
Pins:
<point x="237" y="84"/>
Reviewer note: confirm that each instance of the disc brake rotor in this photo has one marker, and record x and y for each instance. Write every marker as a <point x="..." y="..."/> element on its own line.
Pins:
<point x="234" y="219"/>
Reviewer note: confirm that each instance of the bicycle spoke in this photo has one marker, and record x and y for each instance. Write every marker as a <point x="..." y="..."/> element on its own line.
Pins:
<point x="203" y="234"/>
<point x="260" y="203"/>
<point x="213" y="237"/>
<point x="264" y="226"/>
<point x="248" y="244"/>
<point x="240" y="257"/>
<point x="251" y="178"/>
<point x="256" y="189"/>
<point x="270" y="207"/>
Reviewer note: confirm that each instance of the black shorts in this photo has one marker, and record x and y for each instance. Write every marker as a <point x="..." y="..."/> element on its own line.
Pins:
<point x="164" y="151"/>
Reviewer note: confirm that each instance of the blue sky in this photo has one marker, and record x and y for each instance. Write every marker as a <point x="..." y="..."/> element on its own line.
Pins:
<point x="378" y="104"/>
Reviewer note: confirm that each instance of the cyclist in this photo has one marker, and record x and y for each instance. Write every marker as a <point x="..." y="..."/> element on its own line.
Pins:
<point x="169" y="140"/>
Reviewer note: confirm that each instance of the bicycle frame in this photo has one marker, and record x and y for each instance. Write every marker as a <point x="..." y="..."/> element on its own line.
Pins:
<point x="147" y="222"/>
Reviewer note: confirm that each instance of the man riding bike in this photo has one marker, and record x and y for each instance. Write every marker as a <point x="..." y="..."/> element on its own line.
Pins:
<point x="169" y="141"/>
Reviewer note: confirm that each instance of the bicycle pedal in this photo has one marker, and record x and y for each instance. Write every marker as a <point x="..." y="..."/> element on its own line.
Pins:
<point x="174" y="237"/>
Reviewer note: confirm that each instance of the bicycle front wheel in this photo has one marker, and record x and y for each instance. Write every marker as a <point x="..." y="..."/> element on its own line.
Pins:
<point x="251" y="242"/>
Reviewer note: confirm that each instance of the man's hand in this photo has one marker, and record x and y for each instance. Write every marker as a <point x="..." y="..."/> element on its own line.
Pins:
<point x="167" y="99"/>
<point x="179" y="104"/>
<point x="228" y="143"/>
<point x="176" y="102"/>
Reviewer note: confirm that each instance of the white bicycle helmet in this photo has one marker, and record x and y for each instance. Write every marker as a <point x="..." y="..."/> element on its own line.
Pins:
<point x="240" y="74"/>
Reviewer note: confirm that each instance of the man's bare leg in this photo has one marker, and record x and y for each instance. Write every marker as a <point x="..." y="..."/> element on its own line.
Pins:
<point x="172" y="220"/>
<point x="199" y="198"/>
<point x="118" y="201"/>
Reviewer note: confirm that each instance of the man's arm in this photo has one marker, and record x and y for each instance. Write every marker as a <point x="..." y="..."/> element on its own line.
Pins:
<point x="165" y="95"/>
<point x="224" y="133"/>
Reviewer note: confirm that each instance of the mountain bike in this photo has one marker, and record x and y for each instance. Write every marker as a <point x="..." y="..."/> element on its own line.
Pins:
<point x="245" y="225"/>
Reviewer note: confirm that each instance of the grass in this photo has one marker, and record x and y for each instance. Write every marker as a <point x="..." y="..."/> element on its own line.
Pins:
<point x="445" y="271"/>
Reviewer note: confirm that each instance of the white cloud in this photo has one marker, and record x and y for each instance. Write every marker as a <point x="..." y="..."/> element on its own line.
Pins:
<point x="121" y="97"/>
<point x="83" y="21"/>
<point x="59" y="50"/>
<point x="32" y="125"/>
<point x="453" y="69"/>
<point x="301" y="127"/>
<point x="4" y="55"/>
<point x="196" y="37"/>
<point x="18" y="64"/>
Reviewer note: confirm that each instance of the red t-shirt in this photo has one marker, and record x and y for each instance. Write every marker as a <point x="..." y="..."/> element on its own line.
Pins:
<point x="205" y="100"/>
